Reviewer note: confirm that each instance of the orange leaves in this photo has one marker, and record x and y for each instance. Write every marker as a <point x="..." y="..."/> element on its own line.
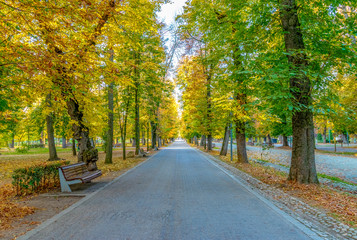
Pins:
<point x="10" y="210"/>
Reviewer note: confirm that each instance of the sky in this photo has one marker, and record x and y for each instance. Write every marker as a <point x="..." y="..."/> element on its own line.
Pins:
<point x="168" y="14"/>
<point x="170" y="10"/>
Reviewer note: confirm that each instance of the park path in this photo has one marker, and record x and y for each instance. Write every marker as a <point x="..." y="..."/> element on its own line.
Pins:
<point x="177" y="194"/>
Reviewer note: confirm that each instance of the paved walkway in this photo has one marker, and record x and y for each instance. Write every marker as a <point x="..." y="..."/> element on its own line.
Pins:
<point x="177" y="194"/>
<point x="333" y="165"/>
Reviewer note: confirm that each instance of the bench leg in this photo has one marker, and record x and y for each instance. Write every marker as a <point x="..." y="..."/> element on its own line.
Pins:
<point x="64" y="185"/>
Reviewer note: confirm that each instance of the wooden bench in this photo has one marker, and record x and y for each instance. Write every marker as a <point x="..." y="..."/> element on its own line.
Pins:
<point x="76" y="173"/>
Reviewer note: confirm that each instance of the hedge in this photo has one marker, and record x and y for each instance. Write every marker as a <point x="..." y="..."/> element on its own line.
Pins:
<point x="37" y="178"/>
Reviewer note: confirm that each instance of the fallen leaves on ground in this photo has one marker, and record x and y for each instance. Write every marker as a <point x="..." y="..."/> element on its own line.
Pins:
<point x="10" y="210"/>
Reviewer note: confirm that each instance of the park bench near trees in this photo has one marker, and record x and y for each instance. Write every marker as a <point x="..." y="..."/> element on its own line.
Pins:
<point x="76" y="173"/>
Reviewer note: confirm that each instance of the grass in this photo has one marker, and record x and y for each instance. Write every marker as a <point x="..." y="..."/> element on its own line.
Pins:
<point x="336" y="179"/>
<point x="337" y="153"/>
<point x="34" y="151"/>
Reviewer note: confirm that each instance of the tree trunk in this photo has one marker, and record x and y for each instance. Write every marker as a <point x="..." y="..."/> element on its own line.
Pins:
<point x="209" y="110"/>
<point x="74" y="152"/>
<point x="64" y="142"/>
<point x="225" y="144"/>
<point x="143" y="138"/>
<point x="133" y="142"/>
<point x="303" y="168"/>
<point x="51" y="132"/>
<point x="241" y="144"/>
<point x="196" y="140"/>
<point x="241" y="98"/>
<point x="148" y="137"/>
<point x="41" y="138"/>
<point x="109" y="150"/>
<point x="285" y="141"/>
<point x="87" y="153"/>
<point x="137" y="114"/>
<point x="153" y="134"/>
<point x="12" y="145"/>
<point x="324" y="135"/>
<point x="159" y="142"/>
<point x="270" y="142"/>
<point x="123" y="132"/>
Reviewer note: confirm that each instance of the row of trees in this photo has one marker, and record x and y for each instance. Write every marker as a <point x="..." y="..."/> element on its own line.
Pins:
<point x="269" y="67"/>
<point x="96" y="68"/>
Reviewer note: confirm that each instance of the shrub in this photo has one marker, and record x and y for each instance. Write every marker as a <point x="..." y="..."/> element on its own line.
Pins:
<point x="36" y="178"/>
<point x="38" y="145"/>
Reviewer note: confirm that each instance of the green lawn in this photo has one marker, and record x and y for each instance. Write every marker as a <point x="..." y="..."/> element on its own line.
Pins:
<point x="6" y="151"/>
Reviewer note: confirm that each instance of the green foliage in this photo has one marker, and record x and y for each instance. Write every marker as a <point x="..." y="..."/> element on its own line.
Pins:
<point x="22" y="149"/>
<point x="36" y="178"/>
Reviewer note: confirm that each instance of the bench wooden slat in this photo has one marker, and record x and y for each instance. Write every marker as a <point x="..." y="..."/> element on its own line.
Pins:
<point x="75" y="172"/>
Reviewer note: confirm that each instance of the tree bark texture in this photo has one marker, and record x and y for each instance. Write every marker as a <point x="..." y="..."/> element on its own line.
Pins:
<point x="74" y="152"/>
<point x="64" y="142"/>
<point x="87" y="153"/>
<point x="137" y="113"/>
<point x="109" y="150"/>
<point x="153" y="134"/>
<point x="225" y="144"/>
<point x="303" y="168"/>
<point x="241" y="98"/>
<point x="148" y="137"/>
<point x="270" y="142"/>
<point x="209" y="111"/>
<point x="12" y="145"/>
<point x="50" y="132"/>
<point x="285" y="141"/>
<point x="241" y="144"/>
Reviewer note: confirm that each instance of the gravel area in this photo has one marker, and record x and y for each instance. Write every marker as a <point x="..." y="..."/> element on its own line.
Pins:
<point x="332" y="165"/>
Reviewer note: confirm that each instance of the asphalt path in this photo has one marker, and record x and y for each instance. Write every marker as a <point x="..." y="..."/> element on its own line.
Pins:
<point x="177" y="194"/>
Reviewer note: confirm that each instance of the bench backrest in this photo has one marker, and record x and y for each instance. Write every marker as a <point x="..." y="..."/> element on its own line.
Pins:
<point x="76" y="169"/>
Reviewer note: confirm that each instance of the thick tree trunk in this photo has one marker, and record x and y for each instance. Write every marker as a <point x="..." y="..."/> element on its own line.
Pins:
<point x="303" y="168"/>
<point x="87" y="153"/>
<point x="109" y="150"/>
<point x="225" y="144"/>
<point x="74" y="152"/>
<point x="241" y="98"/>
<point x="285" y="141"/>
<point x="241" y="144"/>
<point x="50" y="132"/>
